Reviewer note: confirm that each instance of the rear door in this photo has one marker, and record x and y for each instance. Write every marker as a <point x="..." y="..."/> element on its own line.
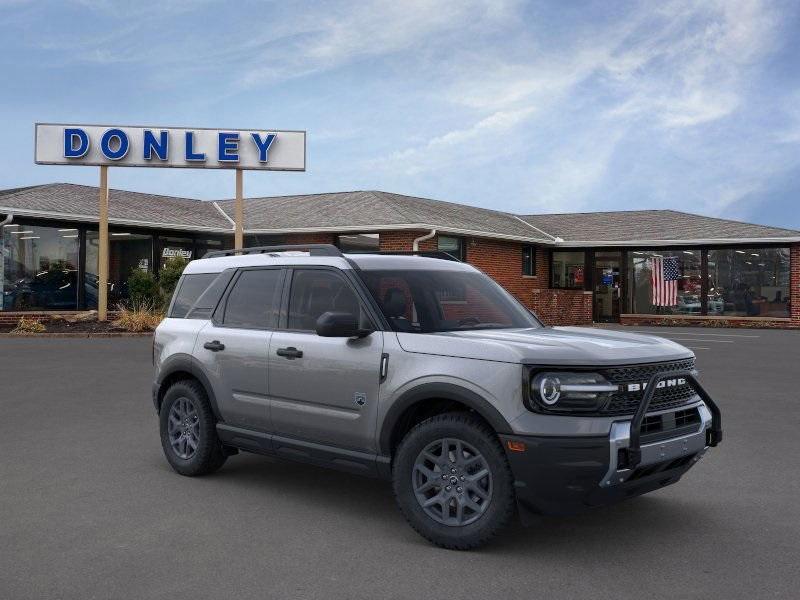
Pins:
<point x="233" y="347"/>
<point x="324" y="389"/>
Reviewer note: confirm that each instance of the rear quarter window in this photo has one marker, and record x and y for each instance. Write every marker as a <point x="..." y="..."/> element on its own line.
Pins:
<point x="189" y="289"/>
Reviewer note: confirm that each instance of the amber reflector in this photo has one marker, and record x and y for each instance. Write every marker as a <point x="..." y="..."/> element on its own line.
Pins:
<point x="515" y="446"/>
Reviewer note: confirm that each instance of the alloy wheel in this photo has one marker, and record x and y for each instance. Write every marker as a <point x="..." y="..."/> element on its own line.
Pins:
<point x="452" y="482"/>
<point x="184" y="428"/>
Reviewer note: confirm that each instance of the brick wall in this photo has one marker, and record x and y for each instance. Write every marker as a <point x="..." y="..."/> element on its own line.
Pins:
<point x="311" y="238"/>
<point x="710" y="321"/>
<point x="563" y="307"/>
<point x="399" y="241"/>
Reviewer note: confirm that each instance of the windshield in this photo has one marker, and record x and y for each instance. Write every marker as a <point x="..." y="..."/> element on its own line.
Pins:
<point x="421" y="301"/>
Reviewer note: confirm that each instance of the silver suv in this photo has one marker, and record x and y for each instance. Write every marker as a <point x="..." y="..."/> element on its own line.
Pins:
<point x="423" y="371"/>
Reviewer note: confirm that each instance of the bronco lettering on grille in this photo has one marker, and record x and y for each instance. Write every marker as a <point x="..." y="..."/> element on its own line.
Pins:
<point x="664" y="383"/>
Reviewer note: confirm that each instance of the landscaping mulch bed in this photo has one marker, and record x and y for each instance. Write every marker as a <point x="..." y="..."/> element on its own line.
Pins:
<point x="62" y="328"/>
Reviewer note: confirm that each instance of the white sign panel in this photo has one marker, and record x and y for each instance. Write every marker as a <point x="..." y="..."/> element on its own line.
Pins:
<point x="189" y="148"/>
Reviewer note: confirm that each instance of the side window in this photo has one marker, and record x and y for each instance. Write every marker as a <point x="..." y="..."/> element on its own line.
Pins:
<point x="529" y="260"/>
<point x="188" y="291"/>
<point x="317" y="291"/>
<point x="252" y="302"/>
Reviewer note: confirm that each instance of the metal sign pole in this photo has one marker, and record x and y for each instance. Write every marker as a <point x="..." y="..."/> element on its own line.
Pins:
<point x="238" y="242"/>
<point x="102" y="256"/>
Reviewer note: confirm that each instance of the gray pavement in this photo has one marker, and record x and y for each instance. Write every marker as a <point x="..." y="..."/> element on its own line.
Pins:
<point x="90" y="509"/>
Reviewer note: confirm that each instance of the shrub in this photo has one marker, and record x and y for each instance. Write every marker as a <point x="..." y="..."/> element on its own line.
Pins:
<point x="139" y="317"/>
<point x="143" y="288"/>
<point x="26" y="325"/>
<point x="169" y="275"/>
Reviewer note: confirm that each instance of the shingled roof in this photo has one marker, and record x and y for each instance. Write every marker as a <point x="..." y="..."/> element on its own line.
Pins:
<point x="645" y="226"/>
<point x="79" y="202"/>
<point x="364" y="211"/>
<point x="374" y="210"/>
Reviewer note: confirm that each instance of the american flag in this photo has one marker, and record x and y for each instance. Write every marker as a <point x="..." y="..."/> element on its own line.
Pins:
<point x="664" y="279"/>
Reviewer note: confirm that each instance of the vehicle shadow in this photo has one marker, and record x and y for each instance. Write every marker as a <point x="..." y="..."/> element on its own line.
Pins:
<point x="607" y="531"/>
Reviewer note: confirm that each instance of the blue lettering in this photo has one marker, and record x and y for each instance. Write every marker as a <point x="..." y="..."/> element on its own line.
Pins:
<point x="228" y="142"/>
<point x="190" y="153"/>
<point x="70" y="137"/>
<point x="122" y="144"/>
<point x="159" y="146"/>
<point x="263" y="145"/>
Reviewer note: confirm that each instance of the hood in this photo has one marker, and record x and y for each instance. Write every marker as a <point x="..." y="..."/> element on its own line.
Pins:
<point x="547" y="346"/>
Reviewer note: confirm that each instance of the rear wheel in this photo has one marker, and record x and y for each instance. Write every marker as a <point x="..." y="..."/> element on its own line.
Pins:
<point x="188" y="430"/>
<point x="452" y="481"/>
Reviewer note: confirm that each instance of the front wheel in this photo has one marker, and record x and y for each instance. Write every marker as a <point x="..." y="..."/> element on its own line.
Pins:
<point x="188" y="430"/>
<point x="452" y="481"/>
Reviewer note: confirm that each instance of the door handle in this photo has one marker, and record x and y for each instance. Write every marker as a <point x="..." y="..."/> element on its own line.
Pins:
<point x="291" y="352"/>
<point x="214" y="346"/>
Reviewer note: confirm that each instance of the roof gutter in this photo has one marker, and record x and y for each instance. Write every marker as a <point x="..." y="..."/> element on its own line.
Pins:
<point x="422" y="238"/>
<point x="684" y="242"/>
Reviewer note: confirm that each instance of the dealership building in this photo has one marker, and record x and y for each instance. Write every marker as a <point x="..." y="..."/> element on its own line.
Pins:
<point x="634" y="267"/>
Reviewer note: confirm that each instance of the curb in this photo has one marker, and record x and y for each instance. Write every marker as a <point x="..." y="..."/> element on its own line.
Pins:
<point x="121" y="334"/>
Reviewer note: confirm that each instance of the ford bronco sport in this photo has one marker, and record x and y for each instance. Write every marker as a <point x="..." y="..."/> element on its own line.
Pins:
<point x="426" y="372"/>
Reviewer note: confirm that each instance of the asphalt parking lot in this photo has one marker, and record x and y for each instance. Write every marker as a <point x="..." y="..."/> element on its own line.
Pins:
<point x="90" y="509"/>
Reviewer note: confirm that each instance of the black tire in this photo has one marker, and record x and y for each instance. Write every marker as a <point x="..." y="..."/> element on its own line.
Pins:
<point x="208" y="456"/>
<point x="476" y="433"/>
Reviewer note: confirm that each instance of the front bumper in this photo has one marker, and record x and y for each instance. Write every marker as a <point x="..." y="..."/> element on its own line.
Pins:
<point x="563" y="475"/>
<point x="568" y="475"/>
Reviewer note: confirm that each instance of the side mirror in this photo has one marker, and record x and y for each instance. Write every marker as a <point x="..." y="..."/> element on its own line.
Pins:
<point x="340" y="324"/>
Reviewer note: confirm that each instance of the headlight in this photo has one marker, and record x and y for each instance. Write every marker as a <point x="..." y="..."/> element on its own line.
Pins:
<point x="570" y="391"/>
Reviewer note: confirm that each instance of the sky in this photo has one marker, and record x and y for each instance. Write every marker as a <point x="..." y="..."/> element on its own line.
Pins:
<point x="529" y="107"/>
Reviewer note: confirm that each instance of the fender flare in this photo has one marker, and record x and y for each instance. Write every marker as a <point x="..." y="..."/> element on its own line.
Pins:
<point x="187" y="364"/>
<point x="445" y="391"/>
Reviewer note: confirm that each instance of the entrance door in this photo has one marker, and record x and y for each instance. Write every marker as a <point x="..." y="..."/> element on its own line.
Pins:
<point x="607" y="286"/>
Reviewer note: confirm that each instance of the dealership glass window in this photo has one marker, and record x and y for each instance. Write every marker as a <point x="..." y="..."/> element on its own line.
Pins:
<point x="39" y="268"/>
<point x="205" y="245"/>
<point x="359" y="242"/>
<point x="454" y="246"/>
<point x="252" y="240"/>
<point x="529" y="260"/>
<point x="665" y="282"/>
<point x="748" y="282"/>
<point x="568" y="270"/>
<point x="128" y="252"/>
<point x="176" y="247"/>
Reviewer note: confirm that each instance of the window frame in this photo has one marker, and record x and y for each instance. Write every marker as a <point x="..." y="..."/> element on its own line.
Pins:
<point x="533" y="260"/>
<point x="462" y="247"/>
<point x="350" y="280"/>
<point x="218" y="317"/>
<point x="588" y="262"/>
<point x="704" y="249"/>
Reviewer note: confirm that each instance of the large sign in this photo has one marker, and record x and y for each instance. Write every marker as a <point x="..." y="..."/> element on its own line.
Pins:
<point x="123" y="146"/>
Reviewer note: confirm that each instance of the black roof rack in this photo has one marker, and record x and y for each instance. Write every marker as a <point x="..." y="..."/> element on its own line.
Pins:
<point x="313" y="250"/>
<point x="441" y="254"/>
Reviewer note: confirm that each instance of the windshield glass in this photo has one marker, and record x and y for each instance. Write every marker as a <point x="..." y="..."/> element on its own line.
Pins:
<point x="422" y="301"/>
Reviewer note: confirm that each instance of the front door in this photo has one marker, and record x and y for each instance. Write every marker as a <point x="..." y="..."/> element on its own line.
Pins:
<point x="322" y="389"/>
<point x="607" y="286"/>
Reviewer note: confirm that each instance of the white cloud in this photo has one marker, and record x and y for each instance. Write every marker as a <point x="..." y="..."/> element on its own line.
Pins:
<point x="476" y="143"/>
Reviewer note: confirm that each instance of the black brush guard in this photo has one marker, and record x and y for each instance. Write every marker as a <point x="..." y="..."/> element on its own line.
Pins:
<point x="713" y="435"/>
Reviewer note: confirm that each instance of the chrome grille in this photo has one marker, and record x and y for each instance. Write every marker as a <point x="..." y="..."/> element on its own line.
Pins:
<point x="624" y="402"/>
